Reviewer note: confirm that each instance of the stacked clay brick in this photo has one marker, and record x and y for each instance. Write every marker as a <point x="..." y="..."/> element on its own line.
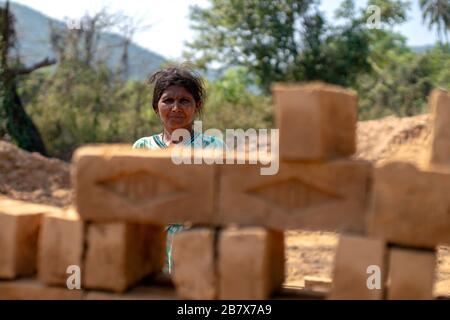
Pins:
<point x="392" y="217"/>
<point x="39" y="244"/>
<point x="317" y="133"/>
<point x="112" y="256"/>
<point x="20" y="225"/>
<point x="146" y="187"/>
<point x="235" y="247"/>
<point x="410" y="212"/>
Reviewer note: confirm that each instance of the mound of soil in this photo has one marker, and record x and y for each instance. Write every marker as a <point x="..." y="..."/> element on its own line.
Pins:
<point x="32" y="177"/>
<point x="392" y="138"/>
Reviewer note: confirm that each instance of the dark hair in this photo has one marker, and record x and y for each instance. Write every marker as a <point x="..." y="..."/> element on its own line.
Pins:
<point x="182" y="76"/>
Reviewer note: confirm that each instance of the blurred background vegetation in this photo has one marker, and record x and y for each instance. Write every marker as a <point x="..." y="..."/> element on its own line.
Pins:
<point x="241" y="46"/>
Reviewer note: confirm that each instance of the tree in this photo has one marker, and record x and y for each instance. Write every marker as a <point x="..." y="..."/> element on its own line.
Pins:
<point x="17" y="123"/>
<point x="84" y="99"/>
<point x="231" y="104"/>
<point x="401" y="88"/>
<point x="437" y="12"/>
<point x="392" y="12"/>
<point x="261" y="35"/>
<point x="288" y="40"/>
<point x="127" y="28"/>
<point x="81" y="42"/>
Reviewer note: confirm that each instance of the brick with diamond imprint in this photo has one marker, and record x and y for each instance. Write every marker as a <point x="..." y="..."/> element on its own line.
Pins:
<point x="316" y="196"/>
<point x="117" y="184"/>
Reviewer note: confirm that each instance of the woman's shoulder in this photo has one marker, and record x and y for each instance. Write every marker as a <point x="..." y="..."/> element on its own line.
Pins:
<point x="146" y="143"/>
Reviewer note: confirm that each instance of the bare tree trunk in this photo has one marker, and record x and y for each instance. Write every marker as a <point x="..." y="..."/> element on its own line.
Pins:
<point x="18" y="124"/>
<point x="124" y="61"/>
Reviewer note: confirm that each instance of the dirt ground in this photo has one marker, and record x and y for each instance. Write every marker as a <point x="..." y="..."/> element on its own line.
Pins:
<point x="37" y="179"/>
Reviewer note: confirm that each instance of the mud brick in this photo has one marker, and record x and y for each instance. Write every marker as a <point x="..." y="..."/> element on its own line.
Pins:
<point x="439" y="102"/>
<point x="317" y="121"/>
<point x="277" y="262"/>
<point x="61" y="244"/>
<point x="118" y="184"/>
<point x="19" y="230"/>
<point x="353" y="257"/>
<point x="32" y="289"/>
<point x="119" y="255"/>
<point x="411" y="274"/>
<point x="194" y="264"/>
<point x="410" y="207"/>
<point x="250" y="263"/>
<point x="327" y="196"/>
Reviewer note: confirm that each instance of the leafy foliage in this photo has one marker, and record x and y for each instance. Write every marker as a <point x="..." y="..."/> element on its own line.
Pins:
<point x="78" y="104"/>
<point x="437" y="13"/>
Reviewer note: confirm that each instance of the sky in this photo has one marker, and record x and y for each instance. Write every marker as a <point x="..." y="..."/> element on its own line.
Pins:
<point x="169" y="23"/>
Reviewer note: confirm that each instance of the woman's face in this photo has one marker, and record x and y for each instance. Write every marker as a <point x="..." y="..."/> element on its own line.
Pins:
<point x="177" y="108"/>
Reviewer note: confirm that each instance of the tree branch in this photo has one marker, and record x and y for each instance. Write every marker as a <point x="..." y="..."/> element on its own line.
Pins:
<point x="44" y="63"/>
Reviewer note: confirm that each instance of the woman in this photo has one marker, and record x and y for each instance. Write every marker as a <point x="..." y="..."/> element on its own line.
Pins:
<point x="178" y="98"/>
